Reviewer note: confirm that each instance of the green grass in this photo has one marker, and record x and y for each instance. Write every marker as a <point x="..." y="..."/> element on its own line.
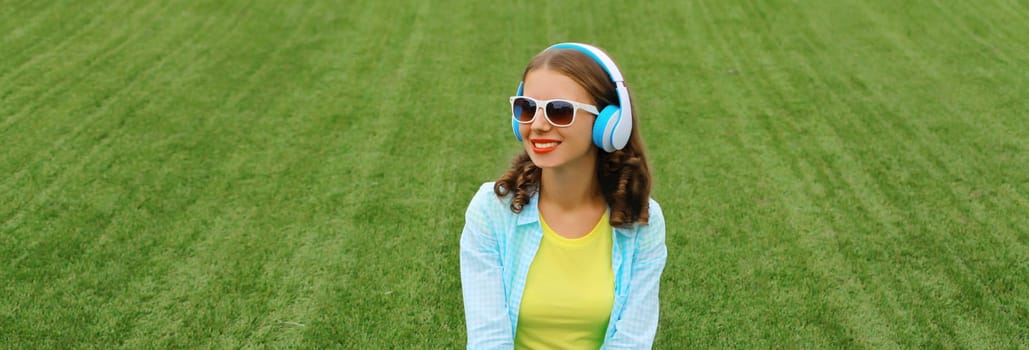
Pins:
<point x="223" y="174"/>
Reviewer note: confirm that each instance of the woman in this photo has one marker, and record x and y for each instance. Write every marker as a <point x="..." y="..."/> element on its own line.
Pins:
<point x="566" y="249"/>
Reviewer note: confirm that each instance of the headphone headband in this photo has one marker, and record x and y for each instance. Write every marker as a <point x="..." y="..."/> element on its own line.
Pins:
<point x="597" y="55"/>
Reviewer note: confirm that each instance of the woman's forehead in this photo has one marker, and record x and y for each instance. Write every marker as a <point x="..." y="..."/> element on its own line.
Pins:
<point x="549" y="84"/>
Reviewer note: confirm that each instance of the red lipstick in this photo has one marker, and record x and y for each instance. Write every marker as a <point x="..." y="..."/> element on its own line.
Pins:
<point x="541" y="146"/>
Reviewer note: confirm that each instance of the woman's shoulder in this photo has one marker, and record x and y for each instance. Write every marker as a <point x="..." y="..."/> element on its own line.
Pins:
<point x="654" y="211"/>
<point x="485" y="192"/>
<point x="486" y="187"/>
<point x="485" y="198"/>
<point x="655" y="226"/>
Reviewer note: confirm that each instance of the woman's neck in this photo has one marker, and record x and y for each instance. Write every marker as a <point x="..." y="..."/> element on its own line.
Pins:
<point x="570" y="189"/>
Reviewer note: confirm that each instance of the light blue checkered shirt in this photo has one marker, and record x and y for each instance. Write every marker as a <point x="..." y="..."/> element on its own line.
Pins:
<point x="497" y="248"/>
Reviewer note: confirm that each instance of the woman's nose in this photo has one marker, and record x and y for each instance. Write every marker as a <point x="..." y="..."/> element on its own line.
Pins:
<point x="540" y="122"/>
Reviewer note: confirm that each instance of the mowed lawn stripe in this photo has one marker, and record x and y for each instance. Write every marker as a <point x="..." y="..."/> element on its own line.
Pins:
<point x="94" y="126"/>
<point x="261" y="140"/>
<point x="286" y="146"/>
<point x="385" y="238"/>
<point x="48" y="74"/>
<point x="923" y="144"/>
<point x="268" y="144"/>
<point x="1003" y="138"/>
<point x="371" y="115"/>
<point x="969" y="161"/>
<point x="969" y="173"/>
<point x="31" y="39"/>
<point x="325" y="260"/>
<point x="89" y="249"/>
<point x="693" y="141"/>
<point x="774" y="147"/>
<point x="837" y="100"/>
<point x="688" y="133"/>
<point x="931" y="49"/>
<point x="40" y="146"/>
<point x="804" y="141"/>
<point x="84" y="135"/>
<point x="266" y="160"/>
<point x="373" y="67"/>
<point x="424" y="172"/>
<point x="206" y="239"/>
<point x="967" y="21"/>
<point x="751" y="248"/>
<point x="834" y="183"/>
<point x="90" y="185"/>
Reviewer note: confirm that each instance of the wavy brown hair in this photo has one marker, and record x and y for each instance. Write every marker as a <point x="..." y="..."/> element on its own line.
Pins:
<point x="624" y="175"/>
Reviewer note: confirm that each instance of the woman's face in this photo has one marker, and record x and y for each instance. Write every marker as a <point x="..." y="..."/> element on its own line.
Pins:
<point x="553" y="147"/>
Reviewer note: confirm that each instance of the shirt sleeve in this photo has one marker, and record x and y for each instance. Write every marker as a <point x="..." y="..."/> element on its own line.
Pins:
<point x="638" y="323"/>
<point x="486" y="315"/>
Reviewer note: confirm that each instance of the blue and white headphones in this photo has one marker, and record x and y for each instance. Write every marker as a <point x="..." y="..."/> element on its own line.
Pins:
<point x="614" y="123"/>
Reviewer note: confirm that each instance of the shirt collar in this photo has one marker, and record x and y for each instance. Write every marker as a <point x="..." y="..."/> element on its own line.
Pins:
<point x="530" y="212"/>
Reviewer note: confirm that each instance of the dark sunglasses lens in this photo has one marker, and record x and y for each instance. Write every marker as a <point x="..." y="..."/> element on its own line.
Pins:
<point x="560" y="112"/>
<point x="523" y="109"/>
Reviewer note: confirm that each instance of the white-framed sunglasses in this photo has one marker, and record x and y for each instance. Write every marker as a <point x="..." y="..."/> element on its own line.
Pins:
<point x="558" y="112"/>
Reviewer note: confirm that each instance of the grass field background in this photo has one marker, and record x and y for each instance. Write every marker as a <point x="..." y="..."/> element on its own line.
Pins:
<point x="222" y="174"/>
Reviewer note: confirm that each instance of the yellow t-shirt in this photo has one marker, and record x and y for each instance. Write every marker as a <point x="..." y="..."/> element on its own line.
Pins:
<point x="569" y="291"/>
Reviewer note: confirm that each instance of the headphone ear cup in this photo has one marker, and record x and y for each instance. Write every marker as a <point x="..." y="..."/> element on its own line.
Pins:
<point x="603" y="127"/>
<point x="514" y="123"/>
<point x="514" y="126"/>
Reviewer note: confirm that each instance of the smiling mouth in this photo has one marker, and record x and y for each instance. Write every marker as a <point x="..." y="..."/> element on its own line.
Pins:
<point x="544" y="146"/>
